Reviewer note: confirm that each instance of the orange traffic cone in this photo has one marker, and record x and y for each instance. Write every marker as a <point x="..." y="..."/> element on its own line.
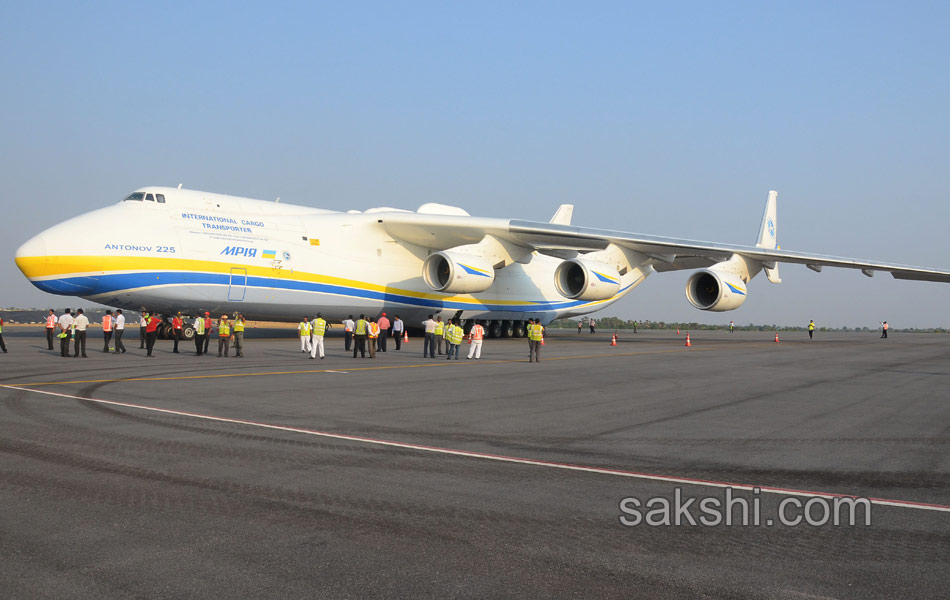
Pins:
<point x="613" y="340"/>
<point x="405" y="337"/>
<point x="688" y="344"/>
<point x="542" y="340"/>
<point x="776" y="337"/>
<point x="677" y="331"/>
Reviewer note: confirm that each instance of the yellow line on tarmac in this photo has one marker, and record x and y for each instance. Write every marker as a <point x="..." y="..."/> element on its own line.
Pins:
<point x="348" y="369"/>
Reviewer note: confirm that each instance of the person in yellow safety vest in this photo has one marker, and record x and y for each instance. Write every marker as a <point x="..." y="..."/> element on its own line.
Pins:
<point x="319" y="328"/>
<point x="359" y="336"/>
<point x="458" y="333"/>
<point x="372" y="332"/>
<point x="224" y="335"/>
<point x="476" y="334"/>
<point x="51" y="321"/>
<point x="107" y="321"/>
<point x="303" y="330"/>
<point x="535" y="336"/>
<point x="811" y="329"/>
<point x="200" y="333"/>
<point x="439" y="334"/>
<point x="447" y="335"/>
<point x="238" y="334"/>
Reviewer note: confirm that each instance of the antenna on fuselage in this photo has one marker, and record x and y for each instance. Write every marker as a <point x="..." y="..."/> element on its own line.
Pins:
<point x="179" y="186"/>
<point x="278" y="200"/>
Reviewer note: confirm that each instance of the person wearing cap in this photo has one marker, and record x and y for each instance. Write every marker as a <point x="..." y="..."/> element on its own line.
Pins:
<point x="209" y="327"/>
<point x="303" y="330"/>
<point x="238" y="335"/>
<point x="318" y="328"/>
<point x="384" y="332"/>
<point x="201" y="331"/>
<point x="224" y="335"/>
<point x="177" y="323"/>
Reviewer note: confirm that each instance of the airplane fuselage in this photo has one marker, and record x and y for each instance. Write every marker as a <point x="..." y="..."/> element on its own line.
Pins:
<point x="197" y="251"/>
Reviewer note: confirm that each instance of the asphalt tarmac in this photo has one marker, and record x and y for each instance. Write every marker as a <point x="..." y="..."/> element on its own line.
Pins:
<point x="277" y="476"/>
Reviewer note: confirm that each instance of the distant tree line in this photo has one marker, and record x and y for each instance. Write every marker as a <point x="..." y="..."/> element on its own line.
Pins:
<point x="611" y="323"/>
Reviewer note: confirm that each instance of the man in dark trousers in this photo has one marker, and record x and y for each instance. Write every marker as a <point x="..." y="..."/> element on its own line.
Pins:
<point x="119" y="330"/>
<point x="51" y="322"/>
<point x="359" y="336"/>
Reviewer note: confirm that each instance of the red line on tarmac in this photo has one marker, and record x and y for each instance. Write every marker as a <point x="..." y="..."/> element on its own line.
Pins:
<point x="503" y="458"/>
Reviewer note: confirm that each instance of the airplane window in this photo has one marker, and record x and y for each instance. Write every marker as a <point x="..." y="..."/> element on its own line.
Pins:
<point x="160" y="198"/>
<point x="139" y="196"/>
<point x="150" y="198"/>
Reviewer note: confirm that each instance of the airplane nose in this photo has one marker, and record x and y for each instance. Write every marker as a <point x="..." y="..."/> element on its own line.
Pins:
<point x="33" y="256"/>
<point x="50" y="271"/>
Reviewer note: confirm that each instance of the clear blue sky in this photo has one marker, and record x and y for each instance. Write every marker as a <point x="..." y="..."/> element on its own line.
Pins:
<point x="665" y="118"/>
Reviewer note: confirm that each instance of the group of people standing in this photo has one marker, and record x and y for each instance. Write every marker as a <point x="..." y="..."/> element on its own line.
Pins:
<point x="72" y="328"/>
<point x="361" y="336"/>
<point x="228" y="330"/>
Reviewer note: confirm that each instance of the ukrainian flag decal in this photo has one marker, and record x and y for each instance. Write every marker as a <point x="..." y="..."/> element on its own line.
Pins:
<point x="269" y="254"/>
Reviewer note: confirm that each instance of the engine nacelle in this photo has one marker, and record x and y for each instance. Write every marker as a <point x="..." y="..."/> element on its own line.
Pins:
<point x="457" y="273"/>
<point x="715" y="290"/>
<point x="584" y="279"/>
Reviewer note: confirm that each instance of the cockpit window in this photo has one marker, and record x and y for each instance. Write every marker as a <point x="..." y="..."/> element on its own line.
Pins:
<point x="150" y="198"/>
<point x="139" y="196"/>
<point x="160" y="198"/>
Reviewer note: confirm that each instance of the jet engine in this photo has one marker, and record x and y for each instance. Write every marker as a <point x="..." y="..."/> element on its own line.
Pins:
<point x="585" y="279"/>
<point x="457" y="273"/>
<point x="715" y="290"/>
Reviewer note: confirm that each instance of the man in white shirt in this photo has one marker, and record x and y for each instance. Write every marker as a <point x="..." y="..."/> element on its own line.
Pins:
<point x="348" y="326"/>
<point x="65" y="332"/>
<point x="119" y="330"/>
<point x="428" y="346"/>
<point x="80" y="324"/>
<point x="398" y="331"/>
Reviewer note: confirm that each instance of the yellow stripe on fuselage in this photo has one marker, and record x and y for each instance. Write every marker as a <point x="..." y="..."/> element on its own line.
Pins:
<point x="55" y="267"/>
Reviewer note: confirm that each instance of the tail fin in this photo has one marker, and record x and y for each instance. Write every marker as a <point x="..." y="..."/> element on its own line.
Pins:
<point x="768" y="235"/>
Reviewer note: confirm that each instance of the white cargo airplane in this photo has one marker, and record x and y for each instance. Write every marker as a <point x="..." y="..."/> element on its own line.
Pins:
<point x="175" y="250"/>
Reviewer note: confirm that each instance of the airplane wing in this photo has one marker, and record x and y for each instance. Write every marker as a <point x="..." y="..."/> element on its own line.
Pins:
<point x="438" y="232"/>
<point x="672" y="254"/>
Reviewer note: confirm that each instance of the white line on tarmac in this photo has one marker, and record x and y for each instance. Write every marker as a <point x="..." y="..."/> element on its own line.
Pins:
<point x="501" y="458"/>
